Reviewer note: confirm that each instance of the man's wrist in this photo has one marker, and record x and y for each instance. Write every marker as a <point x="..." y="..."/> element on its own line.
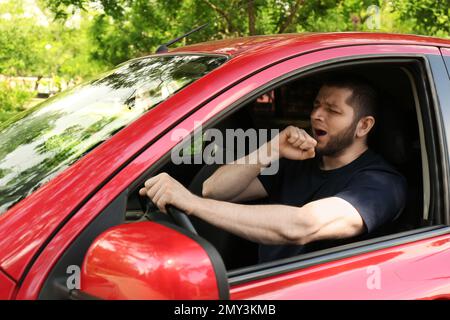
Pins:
<point x="267" y="154"/>
<point x="194" y="205"/>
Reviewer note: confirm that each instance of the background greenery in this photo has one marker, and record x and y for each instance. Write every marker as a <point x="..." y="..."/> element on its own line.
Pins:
<point x="75" y="39"/>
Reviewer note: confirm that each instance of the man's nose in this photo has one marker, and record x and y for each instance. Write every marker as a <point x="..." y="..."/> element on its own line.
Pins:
<point x="317" y="114"/>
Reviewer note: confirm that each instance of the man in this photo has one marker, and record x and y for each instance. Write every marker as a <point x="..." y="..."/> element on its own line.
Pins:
<point x="328" y="186"/>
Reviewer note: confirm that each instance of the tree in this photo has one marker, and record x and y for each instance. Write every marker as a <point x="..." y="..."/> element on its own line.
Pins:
<point x="430" y="17"/>
<point x="130" y="28"/>
<point x="123" y="29"/>
<point x="34" y="45"/>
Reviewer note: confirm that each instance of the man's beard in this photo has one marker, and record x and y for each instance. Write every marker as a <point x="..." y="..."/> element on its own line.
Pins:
<point x="338" y="142"/>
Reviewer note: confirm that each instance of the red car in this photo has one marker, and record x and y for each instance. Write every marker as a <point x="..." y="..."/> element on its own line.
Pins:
<point x="73" y="226"/>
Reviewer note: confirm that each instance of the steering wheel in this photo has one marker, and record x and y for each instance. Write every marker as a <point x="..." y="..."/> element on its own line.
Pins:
<point x="179" y="217"/>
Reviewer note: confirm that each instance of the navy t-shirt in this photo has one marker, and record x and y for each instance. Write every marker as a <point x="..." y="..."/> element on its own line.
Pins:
<point x="372" y="186"/>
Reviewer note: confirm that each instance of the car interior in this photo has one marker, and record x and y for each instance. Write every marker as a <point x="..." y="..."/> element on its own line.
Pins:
<point x="397" y="137"/>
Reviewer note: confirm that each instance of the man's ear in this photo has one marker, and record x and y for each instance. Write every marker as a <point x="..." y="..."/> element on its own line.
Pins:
<point x="364" y="126"/>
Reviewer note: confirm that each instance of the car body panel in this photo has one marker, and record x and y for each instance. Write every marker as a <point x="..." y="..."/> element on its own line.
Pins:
<point x="58" y="244"/>
<point x="7" y="287"/>
<point x="417" y="270"/>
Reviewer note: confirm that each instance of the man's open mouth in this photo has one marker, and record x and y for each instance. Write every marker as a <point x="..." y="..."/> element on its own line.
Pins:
<point x="319" y="132"/>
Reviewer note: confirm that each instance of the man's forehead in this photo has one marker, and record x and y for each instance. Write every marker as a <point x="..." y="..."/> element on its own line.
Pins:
<point x="334" y="93"/>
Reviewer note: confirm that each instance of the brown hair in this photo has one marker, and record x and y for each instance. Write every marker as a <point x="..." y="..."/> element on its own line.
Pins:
<point x="364" y="98"/>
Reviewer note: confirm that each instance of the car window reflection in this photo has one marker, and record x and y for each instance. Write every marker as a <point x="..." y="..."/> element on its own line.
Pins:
<point x="41" y="142"/>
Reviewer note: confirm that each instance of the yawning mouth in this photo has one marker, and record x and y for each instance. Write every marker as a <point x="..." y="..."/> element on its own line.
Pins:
<point x="319" y="132"/>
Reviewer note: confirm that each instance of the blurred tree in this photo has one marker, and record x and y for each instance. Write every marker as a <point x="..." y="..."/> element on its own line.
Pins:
<point x="430" y="17"/>
<point x="130" y="28"/>
<point x="31" y="44"/>
<point x="123" y="29"/>
<point x="21" y="41"/>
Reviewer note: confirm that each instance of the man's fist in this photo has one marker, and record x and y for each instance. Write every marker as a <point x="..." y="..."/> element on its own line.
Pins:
<point x="294" y="143"/>
<point x="164" y="190"/>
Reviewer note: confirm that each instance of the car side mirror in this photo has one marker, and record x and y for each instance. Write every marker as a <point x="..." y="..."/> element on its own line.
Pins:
<point x="149" y="260"/>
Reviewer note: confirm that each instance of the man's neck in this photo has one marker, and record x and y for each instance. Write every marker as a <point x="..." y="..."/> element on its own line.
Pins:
<point x="343" y="158"/>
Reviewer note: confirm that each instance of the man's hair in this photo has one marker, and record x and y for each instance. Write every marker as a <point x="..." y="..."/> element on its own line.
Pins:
<point x="364" y="98"/>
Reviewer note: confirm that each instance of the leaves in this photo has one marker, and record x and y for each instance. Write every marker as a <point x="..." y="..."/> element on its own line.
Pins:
<point x="113" y="31"/>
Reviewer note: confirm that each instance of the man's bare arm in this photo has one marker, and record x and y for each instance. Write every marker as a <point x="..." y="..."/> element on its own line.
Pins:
<point x="330" y="218"/>
<point x="238" y="182"/>
<point x="234" y="182"/>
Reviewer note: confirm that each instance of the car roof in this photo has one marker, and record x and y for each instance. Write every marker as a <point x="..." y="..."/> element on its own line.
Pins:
<point x="269" y="44"/>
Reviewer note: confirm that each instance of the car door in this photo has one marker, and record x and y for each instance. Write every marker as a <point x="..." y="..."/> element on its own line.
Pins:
<point x="404" y="266"/>
<point x="386" y="268"/>
<point x="7" y="286"/>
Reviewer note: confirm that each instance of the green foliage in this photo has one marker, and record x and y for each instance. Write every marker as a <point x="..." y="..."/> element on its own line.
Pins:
<point x="32" y="45"/>
<point x="123" y="29"/>
<point x="112" y="31"/>
<point x="429" y="17"/>
<point x="12" y="100"/>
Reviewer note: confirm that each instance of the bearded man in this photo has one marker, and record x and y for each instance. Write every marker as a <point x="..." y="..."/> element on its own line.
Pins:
<point x="330" y="184"/>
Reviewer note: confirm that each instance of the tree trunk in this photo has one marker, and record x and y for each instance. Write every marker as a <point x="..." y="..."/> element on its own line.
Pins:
<point x="251" y="17"/>
<point x="291" y="16"/>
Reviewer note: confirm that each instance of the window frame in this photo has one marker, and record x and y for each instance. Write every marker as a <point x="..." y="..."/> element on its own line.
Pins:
<point x="263" y="270"/>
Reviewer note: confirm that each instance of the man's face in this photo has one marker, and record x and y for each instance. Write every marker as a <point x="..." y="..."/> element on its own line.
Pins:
<point x="332" y="121"/>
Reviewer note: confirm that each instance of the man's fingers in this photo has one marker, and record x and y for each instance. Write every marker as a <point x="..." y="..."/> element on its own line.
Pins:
<point x="157" y="197"/>
<point x="152" y="191"/>
<point x="305" y="141"/>
<point x="309" y="143"/>
<point x="298" y="142"/>
<point x="310" y="153"/>
<point x="293" y="136"/>
<point x="161" y="204"/>
<point x="143" y="192"/>
<point x="150" y="182"/>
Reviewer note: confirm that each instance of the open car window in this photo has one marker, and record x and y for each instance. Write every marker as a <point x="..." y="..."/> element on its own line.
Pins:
<point x="398" y="140"/>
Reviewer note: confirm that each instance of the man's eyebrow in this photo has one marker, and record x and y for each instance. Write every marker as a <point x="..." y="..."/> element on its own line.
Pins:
<point x="330" y="104"/>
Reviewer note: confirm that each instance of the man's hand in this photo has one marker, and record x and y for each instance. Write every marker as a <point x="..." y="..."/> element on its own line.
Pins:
<point x="294" y="143"/>
<point x="164" y="190"/>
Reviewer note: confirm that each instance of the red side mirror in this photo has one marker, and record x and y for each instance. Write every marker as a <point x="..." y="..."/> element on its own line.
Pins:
<point x="147" y="260"/>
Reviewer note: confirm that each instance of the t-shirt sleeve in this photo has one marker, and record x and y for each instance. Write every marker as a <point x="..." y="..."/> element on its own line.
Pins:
<point x="378" y="196"/>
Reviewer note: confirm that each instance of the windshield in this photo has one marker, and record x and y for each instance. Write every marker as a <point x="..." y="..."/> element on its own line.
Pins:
<point x="41" y="142"/>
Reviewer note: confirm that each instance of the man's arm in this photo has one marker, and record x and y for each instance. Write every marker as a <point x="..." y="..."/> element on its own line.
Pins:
<point x="238" y="181"/>
<point x="235" y="182"/>
<point x="330" y="218"/>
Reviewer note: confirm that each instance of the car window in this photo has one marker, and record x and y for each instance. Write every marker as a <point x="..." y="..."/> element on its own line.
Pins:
<point x="41" y="142"/>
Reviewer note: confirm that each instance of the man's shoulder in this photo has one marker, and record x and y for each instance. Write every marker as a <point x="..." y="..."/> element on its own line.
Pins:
<point x="376" y="166"/>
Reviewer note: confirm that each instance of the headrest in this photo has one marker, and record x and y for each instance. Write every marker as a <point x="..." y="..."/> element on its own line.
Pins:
<point x="390" y="136"/>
